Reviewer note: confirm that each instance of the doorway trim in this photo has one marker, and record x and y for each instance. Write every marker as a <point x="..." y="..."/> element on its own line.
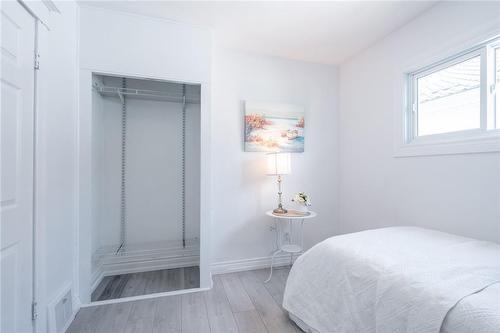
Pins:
<point x="84" y="165"/>
<point x="41" y="12"/>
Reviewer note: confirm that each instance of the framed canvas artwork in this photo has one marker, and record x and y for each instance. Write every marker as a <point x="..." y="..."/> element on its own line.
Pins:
<point x="272" y="127"/>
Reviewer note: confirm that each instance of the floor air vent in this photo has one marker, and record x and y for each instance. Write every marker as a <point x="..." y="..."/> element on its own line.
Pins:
<point x="63" y="311"/>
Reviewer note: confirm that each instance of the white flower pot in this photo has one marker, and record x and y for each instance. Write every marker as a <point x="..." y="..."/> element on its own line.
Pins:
<point x="302" y="208"/>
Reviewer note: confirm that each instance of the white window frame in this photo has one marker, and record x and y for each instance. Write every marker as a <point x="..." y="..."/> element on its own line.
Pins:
<point x="483" y="139"/>
<point x="493" y="112"/>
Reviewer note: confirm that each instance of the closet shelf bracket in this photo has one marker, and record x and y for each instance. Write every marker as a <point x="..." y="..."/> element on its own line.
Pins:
<point x="121" y="96"/>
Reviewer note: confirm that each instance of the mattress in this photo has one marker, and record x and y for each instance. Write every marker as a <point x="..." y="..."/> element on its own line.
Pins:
<point x="476" y="313"/>
<point x="400" y="279"/>
<point x="479" y="312"/>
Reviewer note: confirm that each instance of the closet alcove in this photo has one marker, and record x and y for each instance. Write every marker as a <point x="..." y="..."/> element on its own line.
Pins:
<point x="145" y="187"/>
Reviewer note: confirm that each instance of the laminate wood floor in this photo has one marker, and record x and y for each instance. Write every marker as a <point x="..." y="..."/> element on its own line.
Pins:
<point x="144" y="283"/>
<point x="238" y="302"/>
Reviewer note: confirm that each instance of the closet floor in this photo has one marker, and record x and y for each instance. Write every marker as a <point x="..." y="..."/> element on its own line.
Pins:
<point x="135" y="284"/>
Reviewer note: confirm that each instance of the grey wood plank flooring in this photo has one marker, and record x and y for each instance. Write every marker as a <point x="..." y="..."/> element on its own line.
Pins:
<point x="191" y="277"/>
<point x="236" y="294"/>
<point x="250" y="322"/>
<point x="168" y="315"/>
<point x="219" y="311"/>
<point x="134" y="284"/>
<point x="276" y="286"/>
<point x="85" y="320"/>
<point x="194" y="314"/>
<point x="272" y="314"/>
<point x="175" y="280"/>
<point x="114" y="286"/>
<point x="101" y="287"/>
<point x="238" y="302"/>
<point x="113" y="318"/>
<point x="140" y="319"/>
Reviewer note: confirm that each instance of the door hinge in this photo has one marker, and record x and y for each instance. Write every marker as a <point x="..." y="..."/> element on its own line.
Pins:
<point x="37" y="61"/>
<point x="34" y="311"/>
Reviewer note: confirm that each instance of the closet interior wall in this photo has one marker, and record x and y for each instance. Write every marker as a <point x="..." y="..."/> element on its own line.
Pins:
<point x="143" y="204"/>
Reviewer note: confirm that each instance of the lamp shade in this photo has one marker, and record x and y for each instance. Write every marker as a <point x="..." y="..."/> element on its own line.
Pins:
<point x="279" y="164"/>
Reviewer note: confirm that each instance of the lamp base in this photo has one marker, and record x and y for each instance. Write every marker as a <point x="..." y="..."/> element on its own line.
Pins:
<point x="280" y="210"/>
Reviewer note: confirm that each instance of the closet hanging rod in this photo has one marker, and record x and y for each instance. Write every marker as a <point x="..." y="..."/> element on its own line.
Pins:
<point x="146" y="93"/>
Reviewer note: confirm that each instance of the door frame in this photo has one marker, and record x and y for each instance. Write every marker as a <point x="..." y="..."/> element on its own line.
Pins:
<point x="40" y="11"/>
<point x="84" y="164"/>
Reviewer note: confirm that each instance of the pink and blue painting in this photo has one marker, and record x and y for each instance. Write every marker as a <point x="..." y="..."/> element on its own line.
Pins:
<point x="272" y="127"/>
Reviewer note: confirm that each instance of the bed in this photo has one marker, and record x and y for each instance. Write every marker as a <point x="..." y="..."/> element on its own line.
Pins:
<point x="399" y="279"/>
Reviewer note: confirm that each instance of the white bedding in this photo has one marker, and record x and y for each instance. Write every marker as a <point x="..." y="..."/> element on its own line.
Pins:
<point x="479" y="312"/>
<point x="400" y="279"/>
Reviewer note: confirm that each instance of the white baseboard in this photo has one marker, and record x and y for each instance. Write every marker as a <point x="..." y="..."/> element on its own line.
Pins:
<point x="149" y="265"/>
<point x="143" y="260"/>
<point x="249" y="264"/>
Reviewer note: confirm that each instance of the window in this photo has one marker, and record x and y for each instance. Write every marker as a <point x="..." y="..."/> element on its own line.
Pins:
<point x="455" y="99"/>
<point x="448" y="100"/>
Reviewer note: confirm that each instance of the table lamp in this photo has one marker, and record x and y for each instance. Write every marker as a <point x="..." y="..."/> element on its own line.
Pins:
<point x="279" y="164"/>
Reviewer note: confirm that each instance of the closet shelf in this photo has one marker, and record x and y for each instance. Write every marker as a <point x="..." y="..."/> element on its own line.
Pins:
<point x="146" y="94"/>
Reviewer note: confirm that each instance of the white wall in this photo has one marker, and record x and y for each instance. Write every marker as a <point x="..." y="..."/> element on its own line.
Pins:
<point x="57" y="155"/>
<point x="454" y="193"/>
<point x="116" y="42"/>
<point x="242" y="193"/>
<point x="153" y="171"/>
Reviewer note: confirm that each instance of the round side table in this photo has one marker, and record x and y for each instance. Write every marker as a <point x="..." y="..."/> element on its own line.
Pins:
<point x="289" y="233"/>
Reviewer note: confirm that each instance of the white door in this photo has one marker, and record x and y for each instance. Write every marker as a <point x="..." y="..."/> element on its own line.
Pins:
<point x="17" y="47"/>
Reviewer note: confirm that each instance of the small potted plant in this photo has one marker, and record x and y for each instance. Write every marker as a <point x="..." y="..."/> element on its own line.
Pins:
<point x="303" y="202"/>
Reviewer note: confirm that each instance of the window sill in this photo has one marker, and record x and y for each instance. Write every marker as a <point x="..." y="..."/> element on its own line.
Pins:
<point x="485" y="144"/>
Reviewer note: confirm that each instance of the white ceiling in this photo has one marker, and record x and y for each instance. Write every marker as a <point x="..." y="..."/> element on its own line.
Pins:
<point x="323" y="32"/>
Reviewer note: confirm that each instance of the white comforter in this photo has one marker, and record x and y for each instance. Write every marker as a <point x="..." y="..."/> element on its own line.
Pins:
<point x="479" y="312"/>
<point x="400" y="279"/>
